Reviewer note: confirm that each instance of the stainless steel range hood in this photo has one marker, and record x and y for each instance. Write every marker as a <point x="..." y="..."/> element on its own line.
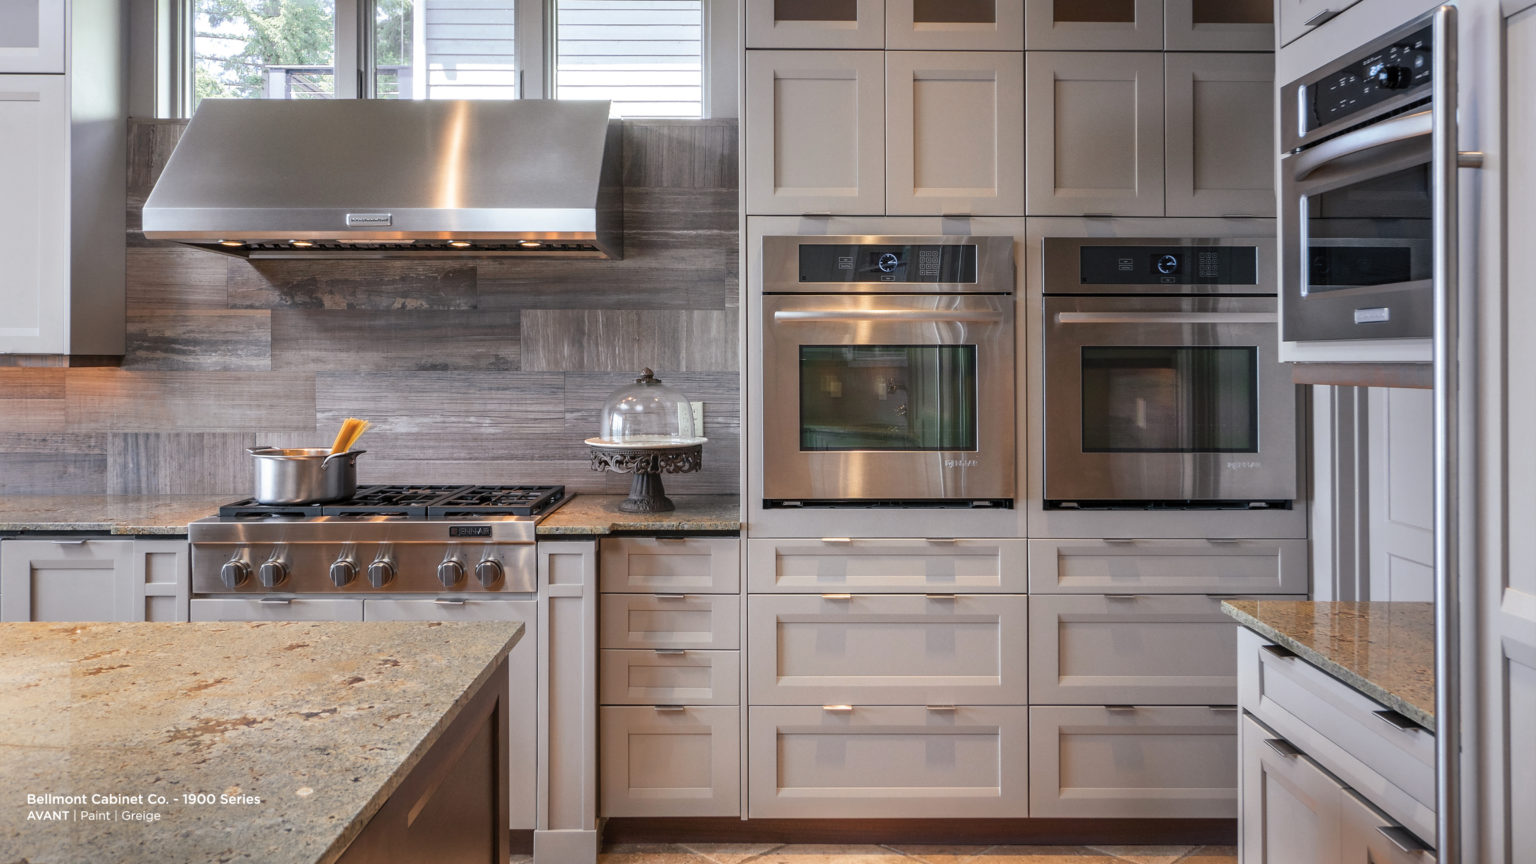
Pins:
<point x="380" y="178"/>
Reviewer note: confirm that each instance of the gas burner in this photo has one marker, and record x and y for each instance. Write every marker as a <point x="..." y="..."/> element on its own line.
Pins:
<point x="472" y="501"/>
<point x="414" y="502"/>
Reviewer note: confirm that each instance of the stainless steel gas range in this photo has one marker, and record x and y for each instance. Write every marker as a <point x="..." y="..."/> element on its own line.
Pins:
<point x="385" y="540"/>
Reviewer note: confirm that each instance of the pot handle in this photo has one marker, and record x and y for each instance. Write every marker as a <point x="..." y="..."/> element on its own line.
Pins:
<point x="327" y="460"/>
<point x="260" y="448"/>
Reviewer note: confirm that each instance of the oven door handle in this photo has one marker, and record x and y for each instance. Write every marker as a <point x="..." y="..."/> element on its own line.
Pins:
<point x="1405" y="128"/>
<point x="1167" y="318"/>
<point x="979" y="316"/>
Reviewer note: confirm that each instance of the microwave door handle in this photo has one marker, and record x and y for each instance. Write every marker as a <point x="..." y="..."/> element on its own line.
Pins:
<point x="980" y="316"/>
<point x="1167" y="318"/>
<point x="1405" y="128"/>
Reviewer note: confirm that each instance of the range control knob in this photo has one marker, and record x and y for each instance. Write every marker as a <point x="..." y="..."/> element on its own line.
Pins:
<point x="273" y="572"/>
<point x="489" y="572"/>
<point x="381" y="572"/>
<point x="450" y="572"/>
<point x="343" y="572"/>
<point x="234" y="573"/>
<point x="1393" y="77"/>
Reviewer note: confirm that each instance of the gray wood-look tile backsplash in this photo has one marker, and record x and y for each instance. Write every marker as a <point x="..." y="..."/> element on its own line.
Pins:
<point x="472" y="371"/>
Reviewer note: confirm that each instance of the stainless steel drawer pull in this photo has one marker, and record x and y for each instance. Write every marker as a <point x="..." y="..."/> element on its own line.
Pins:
<point x="450" y="601"/>
<point x="837" y="709"/>
<point x="672" y="651"/>
<point x="1119" y="596"/>
<point x="946" y="541"/>
<point x="1277" y="651"/>
<point x="1283" y="747"/>
<point x="671" y="538"/>
<point x="837" y="596"/>
<point x="839" y="540"/>
<point x="69" y="542"/>
<point x="670" y="596"/>
<point x="940" y="596"/>
<point x="670" y="708"/>
<point x="1223" y="709"/>
<point x="1120" y="709"/>
<point x="947" y="708"/>
<point x="1319" y="18"/>
<point x="280" y="601"/>
<point x="1398" y="721"/>
<point x="1119" y="541"/>
<point x="1403" y="839"/>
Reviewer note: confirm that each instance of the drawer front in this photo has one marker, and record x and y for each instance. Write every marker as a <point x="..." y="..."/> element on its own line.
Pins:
<point x="651" y="621"/>
<point x="887" y="762"/>
<point x="658" y="565"/>
<point x="893" y="566"/>
<point x="887" y="650"/>
<point x="1291" y="808"/>
<point x="1135" y="649"/>
<point x="669" y="761"/>
<point x="1168" y="567"/>
<point x="297" y="609"/>
<point x="669" y="677"/>
<point x="1347" y="732"/>
<point x="1149" y="762"/>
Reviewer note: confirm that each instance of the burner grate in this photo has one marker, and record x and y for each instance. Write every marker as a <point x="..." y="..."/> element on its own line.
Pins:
<point x="410" y="502"/>
<point x="497" y="501"/>
<point x="414" y="502"/>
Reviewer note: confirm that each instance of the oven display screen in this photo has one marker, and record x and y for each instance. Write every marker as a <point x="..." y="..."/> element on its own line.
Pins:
<point x="888" y="397"/>
<point x="936" y="264"/>
<point x="1170" y="400"/>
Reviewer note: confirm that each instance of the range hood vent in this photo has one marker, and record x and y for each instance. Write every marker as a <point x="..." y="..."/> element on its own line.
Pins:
<point x="385" y="178"/>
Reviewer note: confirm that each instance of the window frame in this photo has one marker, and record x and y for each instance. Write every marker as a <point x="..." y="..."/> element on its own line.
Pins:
<point x="534" y="53"/>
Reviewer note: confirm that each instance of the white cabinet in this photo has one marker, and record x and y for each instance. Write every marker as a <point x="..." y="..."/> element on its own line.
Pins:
<point x="31" y="36"/>
<point x="815" y="139"/>
<point x="845" y="564"/>
<point x="1220" y="134"/>
<point x="1219" y="25"/>
<point x="1367" y="836"/>
<point x="1300" y="17"/>
<point x="670" y="760"/>
<point x="1290" y="807"/>
<point x="641" y="565"/>
<point x="669" y="677"/>
<point x="115" y="579"/>
<point x="954" y="25"/>
<point x="687" y="621"/>
<point x="1096" y="144"/>
<point x="1093" y="25"/>
<point x="815" y="23"/>
<point x="34" y="221"/>
<point x="954" y="132"/>
<point x="1168" y="566"/>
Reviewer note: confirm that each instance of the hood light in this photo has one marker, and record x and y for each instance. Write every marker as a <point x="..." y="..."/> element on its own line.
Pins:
<point x="231" y="243"/>
<point x="459" y="244"/>
<point x="301" y="244"/>
<point x="530" y="244"/>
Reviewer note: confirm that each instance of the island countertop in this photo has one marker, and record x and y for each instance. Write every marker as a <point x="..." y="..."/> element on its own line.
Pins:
<point x="319" y="722"/>
<point x="599" y="514"/>
<point x="108" y="514"/>
<point x="1384" y="650"/>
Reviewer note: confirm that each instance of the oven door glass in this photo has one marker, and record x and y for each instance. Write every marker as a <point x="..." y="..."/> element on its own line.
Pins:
<point x="888" y="397"/>
<point x="1170" y="400"/>
<point x="1373" y="232"/>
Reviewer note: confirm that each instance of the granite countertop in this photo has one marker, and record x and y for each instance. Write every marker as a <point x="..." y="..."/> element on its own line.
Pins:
<point x="1384" y="650"/>
<point x="599" y="514"/>
<point x="319" y="721"/>
<point x="112" y="514"/>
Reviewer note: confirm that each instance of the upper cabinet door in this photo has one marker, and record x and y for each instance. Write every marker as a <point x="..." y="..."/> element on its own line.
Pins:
<point x="1220" y="25"/>
<point x="815" y="140"/>
<point x="1093" y="25"/>
<point x="34" y="219"/>
<point x="815" y="24"/>
<point x="1095" y="143"/>
<point x="32" y="36"/>
<point x="954" y="133"/>
<point x="954" y="25"/>
<point x="1221" y="134"/>
<point x="1300" y="17"/>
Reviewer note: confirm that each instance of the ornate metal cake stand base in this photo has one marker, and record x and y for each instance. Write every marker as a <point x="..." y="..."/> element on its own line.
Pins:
<point x="646" y="494"/>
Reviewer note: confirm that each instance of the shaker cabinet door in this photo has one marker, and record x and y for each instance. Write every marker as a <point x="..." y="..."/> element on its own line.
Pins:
<point x="68" y="580"/>
<point x="1093" y="25"/>
<point x="1096" y="144"/>
<point x="1300" y="17"/>
<point x="815" y="23"/>
<point x="1221" y="134"/>
<point x="31" y="36"/>
<point x="954" y="25"/>
<point x="954" y="133"/>
<point x="1219" y="25"/>
<point x="815" y="140"/>
<point x="1290" y="808"/>
<point x="34" y="217"/>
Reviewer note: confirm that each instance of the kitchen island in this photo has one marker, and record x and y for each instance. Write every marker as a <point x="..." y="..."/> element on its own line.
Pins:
<point x="272" y="742"/>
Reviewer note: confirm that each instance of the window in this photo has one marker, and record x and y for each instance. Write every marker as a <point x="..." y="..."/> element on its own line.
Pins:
<point x="651" y="58"/>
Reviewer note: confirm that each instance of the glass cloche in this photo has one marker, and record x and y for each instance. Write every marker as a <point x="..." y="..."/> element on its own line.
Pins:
<point x="647" y="415"/>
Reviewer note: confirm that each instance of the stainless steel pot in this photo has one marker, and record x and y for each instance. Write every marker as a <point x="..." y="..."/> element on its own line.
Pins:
<point x="306" y="475"/>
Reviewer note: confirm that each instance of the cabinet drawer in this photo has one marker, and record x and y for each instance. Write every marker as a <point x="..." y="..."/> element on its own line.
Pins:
<point x="940" y="564"/>
<point x="1140" y="650"/>
<point x="1146" y="762"/>
<point x="1290" y="805"/>
<point x="669" y="761"/>
<point x="1346" y="732"/>
<point x="68" y="580"/>
<point x="887" y="650"/>
<point x="670" y="677"/>
<point x="650" y="621"/>
<point x="887" y="762"/>
<point x="1168" y="567"/>
<point x="277" y="609"/>
<point x="701" y="565"/>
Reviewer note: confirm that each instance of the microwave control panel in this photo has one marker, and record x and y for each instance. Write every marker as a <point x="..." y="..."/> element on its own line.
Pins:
<point x="1168" y="265"/>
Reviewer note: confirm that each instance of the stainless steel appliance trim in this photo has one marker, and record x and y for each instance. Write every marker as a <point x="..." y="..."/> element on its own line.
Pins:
<point x="1387" y="132"/>
<point x="995" y="272"/>
<point x="814" y="315"/>
<point x="1062" y="261"/>
<point x="1166" y="318"/>
<point x="366" y="529"/>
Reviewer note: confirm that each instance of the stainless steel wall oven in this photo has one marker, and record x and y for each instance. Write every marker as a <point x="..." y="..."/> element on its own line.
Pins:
<point x="1162" y="387"/>
<point x="888" y="371"/>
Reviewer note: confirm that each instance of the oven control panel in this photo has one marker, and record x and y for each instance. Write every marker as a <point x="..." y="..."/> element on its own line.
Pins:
<point x="923" y="264"/>
<point x="1404" y="65"/>
<point x="1168" y="265"/>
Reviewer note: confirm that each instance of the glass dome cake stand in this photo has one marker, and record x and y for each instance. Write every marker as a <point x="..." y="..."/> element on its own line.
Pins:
<point x="647" y="431"/>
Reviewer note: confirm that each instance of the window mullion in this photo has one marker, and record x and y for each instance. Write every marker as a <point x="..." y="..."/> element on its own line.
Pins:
<point x="534" y="24"/>
<point x="353" y="45"/>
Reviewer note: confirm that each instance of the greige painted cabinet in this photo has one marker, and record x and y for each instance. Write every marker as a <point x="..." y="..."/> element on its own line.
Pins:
<point x="815" y="23"/>
<point x="1297" y="18"/>
<point x="869" y="649"/>
<point x="1367" y="836"/>
<point x="1220" y="134"/>
<point x="954" y="25"/>
<point x="670" y="760"/>
<point x="1095" y="146"/>
<point x="815" y="135"/>
<point x="887" y="565"/>
<point x="31" y="37"/>
<point x="661" y="565"/>
<point x="954" y="132"/>
<point x="93" y="580"/>
<point x="1290" y="806"/>
<point x="1168" y="567"/>
<point x="688" y="621"/>
<point x="1093" y="25"/>
<point x="840" y="761"/>
<point x="670" y="677"/>
<point x="34" y="221"/>
<point x="1133" y="762"/>
<point x="1219" y="25"/>
<point x="277" y="609"/>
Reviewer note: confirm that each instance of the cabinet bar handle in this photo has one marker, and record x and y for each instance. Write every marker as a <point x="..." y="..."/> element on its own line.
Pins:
<point x="1403" y="839"/>
<point x="1397" y="721"/>
<point x="947" y="541"/>
<point x="1223" y="709"/>
<point x="837" y="539"/>
<point x="1277" y="651"/>
<point x="669" y="708"/>
<point x="281" y="601"/>
<point x="450" y="601"/>
<point x="1119" y="596"/>
<point x="837" y="596"/>
<point x="940" y="596"/>
<point x="671" y="596"/>
<point x="837" y="709"/>
<point x="672" y="651"/>
<point x="1119" y="541"/>
<point x="670" y="538"/>
<point x="69" y="542"/>
<point x="1120" y="709"/>
<point x="1319" y="18"/>
<point x="1283" y="747"/>
<point x="948" y="708"/>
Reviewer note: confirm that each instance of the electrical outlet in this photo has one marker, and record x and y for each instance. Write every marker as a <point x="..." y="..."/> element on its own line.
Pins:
<point x="698" y="418"/>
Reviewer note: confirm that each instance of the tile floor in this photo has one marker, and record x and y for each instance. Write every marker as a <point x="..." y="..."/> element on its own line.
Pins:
<point x="767" y="853"/>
